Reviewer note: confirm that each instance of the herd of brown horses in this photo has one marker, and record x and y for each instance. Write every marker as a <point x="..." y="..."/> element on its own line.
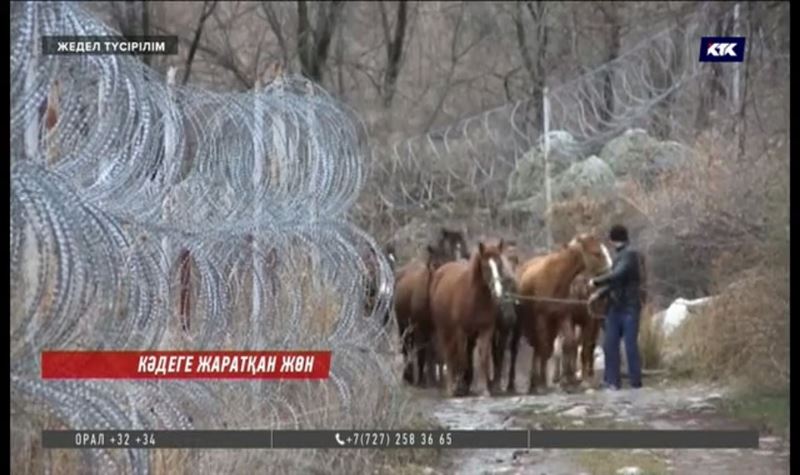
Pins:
<point x="453" y="301"/>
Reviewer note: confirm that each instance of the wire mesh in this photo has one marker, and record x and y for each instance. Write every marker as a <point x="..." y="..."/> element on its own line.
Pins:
<point x="152" y="216"/>
<point x="470" y="170"/>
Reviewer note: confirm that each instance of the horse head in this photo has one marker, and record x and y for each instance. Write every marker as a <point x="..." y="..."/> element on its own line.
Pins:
<point x="453" y="244"/>
<point x="595" y="255"/>
<point x="498" y="276"/>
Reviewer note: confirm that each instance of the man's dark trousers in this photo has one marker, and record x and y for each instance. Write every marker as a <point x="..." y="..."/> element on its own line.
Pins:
<point x="622" y="323"/>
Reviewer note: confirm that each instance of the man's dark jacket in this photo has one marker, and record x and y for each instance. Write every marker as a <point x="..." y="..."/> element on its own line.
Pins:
<point x="623" y="282"/>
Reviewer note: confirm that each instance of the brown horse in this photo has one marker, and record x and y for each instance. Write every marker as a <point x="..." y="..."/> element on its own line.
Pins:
<point x="588" y="318"/>
<point x="507" y="331"/>
<point x="464" y="306"/>
<point x="550" y="277"/>
<point x="411" y="303"/>
<point x="587" y="321"/>
<point x="508" y="337"/>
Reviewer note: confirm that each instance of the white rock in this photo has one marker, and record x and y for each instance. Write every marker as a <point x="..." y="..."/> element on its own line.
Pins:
<point x="678" y="311"/>
<point x="577" y="411"/>
<point x="629" y="471"/>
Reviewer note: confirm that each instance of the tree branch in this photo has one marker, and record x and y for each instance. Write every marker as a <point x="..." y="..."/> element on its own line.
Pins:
<point x="208" y="9"/>
<point x="313" y="43"/>
<point x="394" y="50"/>
<point x="272" y="19"/>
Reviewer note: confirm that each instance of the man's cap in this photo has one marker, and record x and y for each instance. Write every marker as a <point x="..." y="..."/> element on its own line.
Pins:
<point x="618" y="233"/>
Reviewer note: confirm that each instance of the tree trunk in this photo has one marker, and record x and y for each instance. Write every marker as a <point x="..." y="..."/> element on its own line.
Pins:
<point x="208" y="8"/>
<point x="313" y="43"/>
<point x="534" y="62"/>
<point x="714" y="91"/>
<point x="741" y="123"/>
<point x="614" y="41"/>
<point x="394" y="50"/>
<point x="662" y="122"/>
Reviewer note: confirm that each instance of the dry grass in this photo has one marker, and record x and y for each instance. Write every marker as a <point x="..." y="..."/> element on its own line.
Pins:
<point x="744" y="335"/>
<point x="651" y="340"/>
<point x="738" y="240"/>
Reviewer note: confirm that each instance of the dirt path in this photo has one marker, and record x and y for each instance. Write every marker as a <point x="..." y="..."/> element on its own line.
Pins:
<point x="691" y="407"/>
<point x="662" y="404"/>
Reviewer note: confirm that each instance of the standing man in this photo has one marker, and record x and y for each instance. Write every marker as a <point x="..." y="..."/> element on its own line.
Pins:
<point x="622" y="321"/>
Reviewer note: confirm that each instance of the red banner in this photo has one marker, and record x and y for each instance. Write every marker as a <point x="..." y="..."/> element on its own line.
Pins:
<point x="186" y="364"/>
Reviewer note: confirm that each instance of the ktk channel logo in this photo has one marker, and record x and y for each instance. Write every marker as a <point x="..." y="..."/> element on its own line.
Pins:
<point x="722" y="49"/>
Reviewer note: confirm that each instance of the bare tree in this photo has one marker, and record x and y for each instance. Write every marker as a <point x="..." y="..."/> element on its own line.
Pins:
<point x="533" y="56"/>
<point x="275" y="25"/>
<point x="208" y="9"/>
<point x="456" y="55"/>
<point x="132" y="18"/>
<point x="313" y="42"/>
<point x="611" y="14"/>
<point x="713" y="90"/>
<point x="664" y="78"/>
<point x="394" y="49"/>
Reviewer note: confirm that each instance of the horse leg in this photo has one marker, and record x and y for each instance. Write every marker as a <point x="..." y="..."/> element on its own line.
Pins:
<point x="422" y="353"/>
<point x="556" y="361"/>
<point x="484" y="344"/>
<point x="593" y="336"/>
<point x="569" y="347"/>
<point x="548" y="337"/>
<point x="469" y="369"/>
<point x="539" y="341"/>
<point x="544" y="358"/>
<point x="447" y="351"/>
<point x="407" y="347"/>
<point x="587" y="352"/>
<point x="461" y="363"/>
<point x="433" y="364"/>
<point x="533" y="382"/>
<point x="498" y="353"/>
<point x="512" y="365"/>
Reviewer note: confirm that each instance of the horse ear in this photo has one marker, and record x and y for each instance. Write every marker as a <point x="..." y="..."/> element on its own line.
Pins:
<point x="502" y="245"/>
<point x="481" y="247"/>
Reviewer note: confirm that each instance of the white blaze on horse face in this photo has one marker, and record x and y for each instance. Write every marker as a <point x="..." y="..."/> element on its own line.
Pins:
<point x="607" y="257"/>
<point x="498" y="287"/>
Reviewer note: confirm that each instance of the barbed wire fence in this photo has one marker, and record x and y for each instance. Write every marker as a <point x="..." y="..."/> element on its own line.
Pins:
<point x="488" y="170"/>
<point x="146" y="215"/>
